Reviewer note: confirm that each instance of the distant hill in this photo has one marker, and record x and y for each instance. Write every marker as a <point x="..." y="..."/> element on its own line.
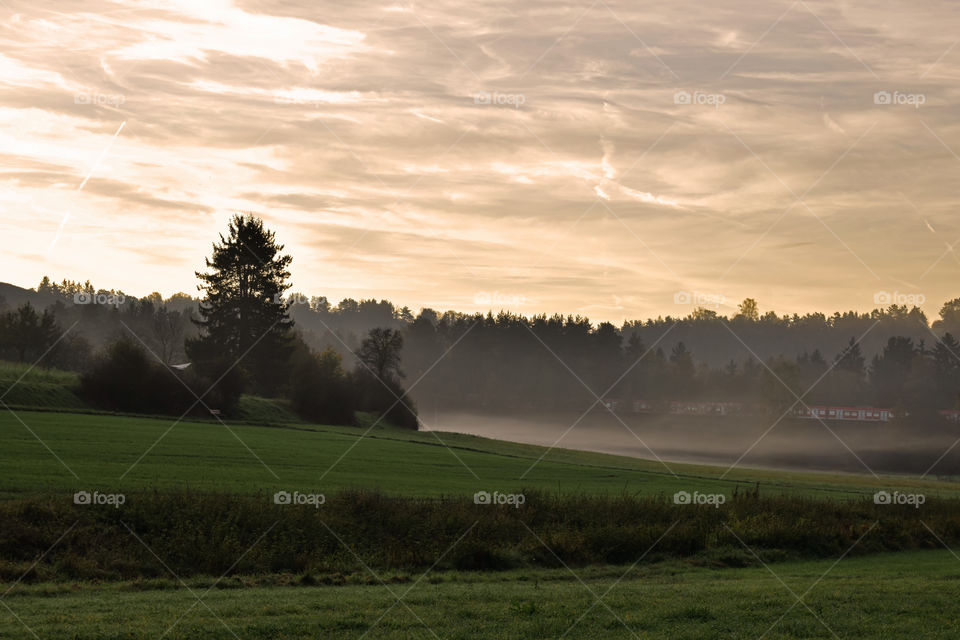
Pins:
<point x="13" y="296"/>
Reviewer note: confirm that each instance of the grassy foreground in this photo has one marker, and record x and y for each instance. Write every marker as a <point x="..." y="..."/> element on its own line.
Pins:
<point x="855" y="598"/>
<point x="67" y="452"/>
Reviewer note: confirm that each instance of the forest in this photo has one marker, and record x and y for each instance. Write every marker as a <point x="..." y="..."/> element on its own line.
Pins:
<point x="893" y="357"/>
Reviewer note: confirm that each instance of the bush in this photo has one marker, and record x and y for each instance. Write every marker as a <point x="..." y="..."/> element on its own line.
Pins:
<point x="386" y="398"/>
<point x="126" y="378"/>
<point x="320" y="391"/>
<point x="200" y="534"/>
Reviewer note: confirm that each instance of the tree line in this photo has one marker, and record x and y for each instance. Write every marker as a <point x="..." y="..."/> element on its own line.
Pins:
<point x="238" y="338"/>
<point x="330" y="359"/>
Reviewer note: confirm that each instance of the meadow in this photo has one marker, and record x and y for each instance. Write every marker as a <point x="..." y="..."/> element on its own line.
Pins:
<point x="198" y="495"/>
<point x="64" y="452"/>
<point x="890" y="596"/>
<point x="199" y="547"/>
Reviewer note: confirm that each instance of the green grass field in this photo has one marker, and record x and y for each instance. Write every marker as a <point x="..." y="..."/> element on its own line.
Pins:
<point x="25" y="386"/>
<point x="43" y="451"/>
<point x="903" y="595"/>
<point x="216" y="482"/>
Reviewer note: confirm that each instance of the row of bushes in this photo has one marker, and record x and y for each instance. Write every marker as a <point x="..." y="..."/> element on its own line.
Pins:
<point x="210" y="534"/>
<point x="126" y="378"/>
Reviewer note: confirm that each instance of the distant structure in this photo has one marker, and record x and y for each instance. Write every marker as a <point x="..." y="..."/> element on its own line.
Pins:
<point x="813" y="412"/>
<point x="951" y="415"/>
<point x="859" y="414"/>
<point x="708" y="408"/>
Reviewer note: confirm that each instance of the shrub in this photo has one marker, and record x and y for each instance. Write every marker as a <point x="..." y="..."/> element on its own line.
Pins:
<point x="387" y="398"/>
<point x="320" y="391"/>
<point x="200" y="534"/>
<point x="124" y="377"/>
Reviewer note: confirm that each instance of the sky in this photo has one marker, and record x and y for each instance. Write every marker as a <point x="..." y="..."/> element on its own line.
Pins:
<point x="614" y="159"/>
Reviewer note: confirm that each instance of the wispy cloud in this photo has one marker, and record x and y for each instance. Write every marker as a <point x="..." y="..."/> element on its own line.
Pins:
<point x="423" y="152"/>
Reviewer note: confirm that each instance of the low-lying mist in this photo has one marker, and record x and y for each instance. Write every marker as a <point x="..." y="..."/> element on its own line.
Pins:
<point x="798" y="444"/>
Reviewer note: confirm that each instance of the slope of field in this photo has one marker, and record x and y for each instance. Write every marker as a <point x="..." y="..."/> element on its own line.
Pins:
<point x="854" y="598"/>
<point x="47" y="451"/>
<point x="25" y="386"/>
<point x="36" y="388"/>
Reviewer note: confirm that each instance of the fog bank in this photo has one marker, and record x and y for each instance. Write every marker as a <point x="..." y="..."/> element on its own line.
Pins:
<point x="791" y="444"/>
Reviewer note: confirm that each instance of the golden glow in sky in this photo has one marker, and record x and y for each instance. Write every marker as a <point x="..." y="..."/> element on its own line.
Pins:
<point x="538" y="156"/>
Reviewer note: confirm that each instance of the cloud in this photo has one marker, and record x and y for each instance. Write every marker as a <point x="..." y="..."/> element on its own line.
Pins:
<point x="356" y="131"/>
